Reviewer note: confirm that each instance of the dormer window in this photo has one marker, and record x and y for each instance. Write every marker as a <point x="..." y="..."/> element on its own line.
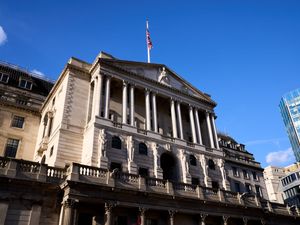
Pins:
<point x="4" y="77"/>
<point x="26" y="84"/>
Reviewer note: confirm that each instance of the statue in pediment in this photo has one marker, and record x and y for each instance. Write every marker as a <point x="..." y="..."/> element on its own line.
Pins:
<point x="163" y="77"/>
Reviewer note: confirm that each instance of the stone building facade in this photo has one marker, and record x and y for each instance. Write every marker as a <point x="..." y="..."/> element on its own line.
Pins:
<point x="21" y="96"/>
<point x="124" y="143"/>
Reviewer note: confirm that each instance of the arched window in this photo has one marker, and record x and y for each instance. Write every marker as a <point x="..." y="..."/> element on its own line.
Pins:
<point x="116" y="142"/>
<point x="211" y="164"/>
<point x="143" y="150"/>
<point x="193" y="161"/>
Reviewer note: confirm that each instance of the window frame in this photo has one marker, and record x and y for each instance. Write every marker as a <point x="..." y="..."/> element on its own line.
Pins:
<point x="26" y="83"/>
<point x="113" y="143"/>
<point x="1" y="77"/>
<point x="16" y="120"/>
<point x="12" y="148"/>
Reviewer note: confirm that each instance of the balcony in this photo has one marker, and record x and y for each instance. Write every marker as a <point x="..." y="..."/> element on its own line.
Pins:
<point x="33" y="171"/>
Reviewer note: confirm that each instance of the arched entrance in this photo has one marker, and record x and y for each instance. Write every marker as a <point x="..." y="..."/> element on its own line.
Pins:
<point x="169" y="167"/>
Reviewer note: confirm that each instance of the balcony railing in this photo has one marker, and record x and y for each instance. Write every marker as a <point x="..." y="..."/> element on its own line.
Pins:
<point x="26" y="170"/>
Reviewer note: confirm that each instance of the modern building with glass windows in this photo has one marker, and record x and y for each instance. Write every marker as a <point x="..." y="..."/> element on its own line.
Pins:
<point x="290" y="111"/>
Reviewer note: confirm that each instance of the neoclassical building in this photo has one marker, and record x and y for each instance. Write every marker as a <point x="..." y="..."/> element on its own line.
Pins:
<point x="21" y="95"/>
<point x="124" y="143"/>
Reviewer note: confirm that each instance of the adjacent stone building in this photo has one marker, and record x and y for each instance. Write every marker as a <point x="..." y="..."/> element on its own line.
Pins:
<point x="21" y="96"/>
<point x="124" y="143"/>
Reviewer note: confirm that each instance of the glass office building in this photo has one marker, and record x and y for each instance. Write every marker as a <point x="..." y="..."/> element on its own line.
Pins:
<point x="290" y="111"/>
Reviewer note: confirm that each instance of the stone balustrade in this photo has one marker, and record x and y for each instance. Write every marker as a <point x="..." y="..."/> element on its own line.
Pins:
<point x="27" y="170"/>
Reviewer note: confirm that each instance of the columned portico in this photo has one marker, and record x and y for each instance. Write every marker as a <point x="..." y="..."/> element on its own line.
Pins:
<point x="107" y="97"/>
<point x="173" y="117"/>
<point x="147" y="103"/>
<point x="210" y="135"/>
<point x="124" y="103"/>
<point x="192" y="123"/>
<point x="132" y="111"/>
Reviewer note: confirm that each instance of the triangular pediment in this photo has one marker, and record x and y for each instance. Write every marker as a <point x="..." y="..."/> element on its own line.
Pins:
<point x="161" y="74"/>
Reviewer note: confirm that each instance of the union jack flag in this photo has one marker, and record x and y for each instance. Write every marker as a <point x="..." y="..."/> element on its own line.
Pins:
<point x="148" y="39"/>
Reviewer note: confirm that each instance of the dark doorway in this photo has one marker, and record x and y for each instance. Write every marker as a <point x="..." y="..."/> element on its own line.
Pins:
<point x="168" y="165"/>
<point x="85" y="219"/>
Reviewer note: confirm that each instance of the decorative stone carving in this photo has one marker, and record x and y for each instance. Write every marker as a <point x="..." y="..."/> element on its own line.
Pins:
<point x="102" y="140"/>
<point x="130" y="148"/>
<point x="223" y="173"/>
<point x="156" y="158"/>
<point x="205" y="169"/>
<point x="163" y="77"/>
<point x="184" y="164"/>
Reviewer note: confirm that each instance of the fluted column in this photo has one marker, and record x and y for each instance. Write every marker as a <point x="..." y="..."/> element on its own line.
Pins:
<point x="154" y="112"/>
<point x="179" y="119"/>
<point x="210" y="135"/>
<point x="124" y="103"/>
<point x="132" y="111"/>
<point x="192" y="124"/>
<point x="198" y="128"/>
<point x="214" y="131"/>
<point x="173" y="117"/>
<point x="147" y="102"/>
<point x="98" y="96"/>
<point x="107" y="97"/>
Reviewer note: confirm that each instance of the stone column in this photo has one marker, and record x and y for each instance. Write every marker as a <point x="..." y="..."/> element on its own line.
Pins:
<point x="214" y="131"/>
<point x="154" y="112"/>
<point x="108" y="213"/>
<point x="142" y="216"/>
<point x="179" y="119"/>
<point x="95" y="98"/>
<point x="147" y="103"/>
<point x="211" y="141"/>
<point x="132" y="111"/>
<point x="35" y="214"/>
<point x="3" y="211"/>
<point x="69" y="212"/>
<point x="171" y="213"/>
<point x="98" y="96"/>
<point x="173" y="117"/>
<point x="192" y="124"/>
<point x="107" y="97"/>
<point x="245" y="220"/>
<point x="225" y="220"/>
<point x="124" y="103"/>
<point x="202" y="219"/>
<point x="198" y="128"/>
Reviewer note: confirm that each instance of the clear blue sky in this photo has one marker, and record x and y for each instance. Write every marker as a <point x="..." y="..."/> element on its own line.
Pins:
<point x="245" y="54"/>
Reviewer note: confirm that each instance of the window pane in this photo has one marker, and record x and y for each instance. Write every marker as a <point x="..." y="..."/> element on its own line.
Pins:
<point x="11" y="147"/>
<point x="17" y="121"/>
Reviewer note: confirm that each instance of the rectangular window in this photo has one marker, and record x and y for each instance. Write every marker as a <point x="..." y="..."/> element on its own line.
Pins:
<point x="25" y="84"/>
<point x="17" y="121"/>
<point x="195" y="181"/>
<point x="246" y="174"/>
<point x="235" y="172"/>
<point x="143" y="172"/>
<point x="11" y="147"/>
<point x="255" y="177"/>
<point x="4" y="77"/>
<point x="258" y="191"/>
<point x="237" y="187"/>
<point x="248" y="188"/>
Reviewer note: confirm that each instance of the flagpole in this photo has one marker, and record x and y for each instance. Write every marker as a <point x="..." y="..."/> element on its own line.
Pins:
<point x="148" y="49"/>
